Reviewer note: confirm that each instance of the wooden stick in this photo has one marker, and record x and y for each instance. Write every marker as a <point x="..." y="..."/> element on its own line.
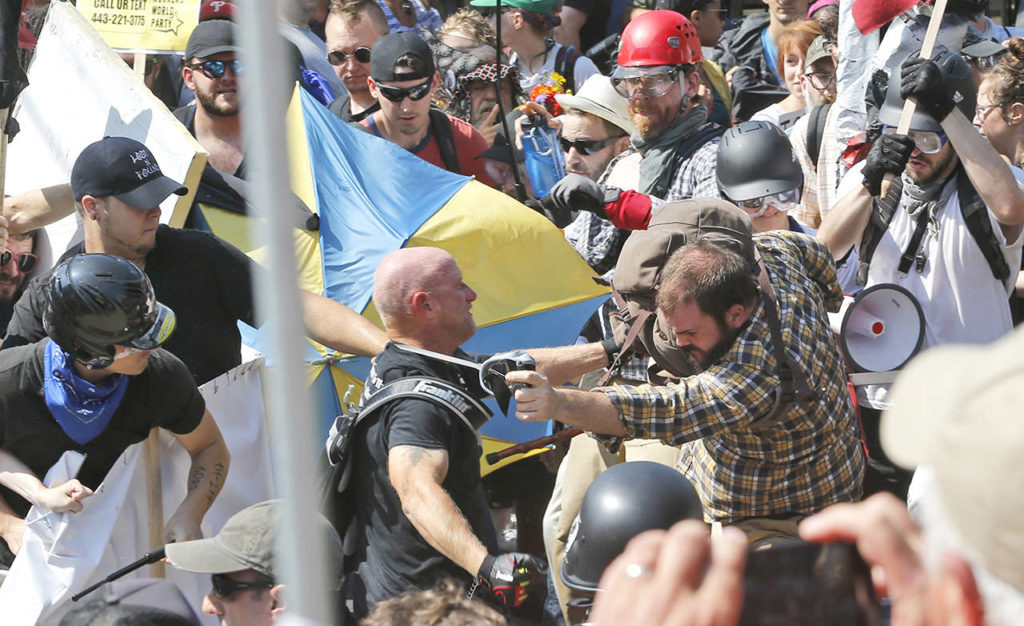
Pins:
<point x="533" y="444"/>
<point x="910" y="105"/>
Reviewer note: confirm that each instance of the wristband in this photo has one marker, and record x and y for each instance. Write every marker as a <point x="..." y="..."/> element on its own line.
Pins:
<point x="611" y="349"/>
<point x="486" y="567"/>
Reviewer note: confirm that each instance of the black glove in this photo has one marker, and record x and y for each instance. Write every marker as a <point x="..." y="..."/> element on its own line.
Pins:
<point x="576" y="192"/>
<point x="889" y="155"/>
<point x="923" y="80"/>
<point x="512" y="577"/>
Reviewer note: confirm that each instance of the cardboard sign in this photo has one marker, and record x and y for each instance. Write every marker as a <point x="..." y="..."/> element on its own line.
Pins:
<point x="143" y="25"/>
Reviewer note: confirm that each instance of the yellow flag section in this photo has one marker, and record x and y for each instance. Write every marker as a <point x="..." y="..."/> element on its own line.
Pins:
<point x="143" y="25"/>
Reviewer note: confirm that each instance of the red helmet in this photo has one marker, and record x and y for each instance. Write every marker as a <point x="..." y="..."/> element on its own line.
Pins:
<point x="659" y="38"/>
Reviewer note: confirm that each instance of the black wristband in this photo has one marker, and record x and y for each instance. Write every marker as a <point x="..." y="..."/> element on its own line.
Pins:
<point x="485" y="568"/>
<point x="611" y="349"/>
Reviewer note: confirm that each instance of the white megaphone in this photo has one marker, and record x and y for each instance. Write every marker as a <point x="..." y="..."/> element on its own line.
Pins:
<point x="880" y="329"/>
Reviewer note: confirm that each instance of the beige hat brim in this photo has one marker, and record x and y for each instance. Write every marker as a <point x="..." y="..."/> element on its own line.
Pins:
<point x="595" y="108"/>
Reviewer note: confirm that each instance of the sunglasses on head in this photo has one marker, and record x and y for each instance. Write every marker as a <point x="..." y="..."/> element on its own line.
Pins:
<point x="216" y="69"/>
<point x="587" y="147"/>
<point x="223" y="586"/>
<point x="397" y="94"/>
<point x="337" y="57"/>
<point x="25" y="261"/>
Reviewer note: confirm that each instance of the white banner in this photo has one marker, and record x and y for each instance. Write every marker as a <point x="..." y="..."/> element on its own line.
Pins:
<point x="65" y="552"/>
<point x="79" y="92"/>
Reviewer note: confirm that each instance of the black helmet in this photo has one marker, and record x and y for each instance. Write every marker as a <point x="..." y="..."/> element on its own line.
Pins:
<point x="957" y="77"/>
<point x="755" y="159"/>
<point x="622" y="502"/>
<point x="98" y="301"/>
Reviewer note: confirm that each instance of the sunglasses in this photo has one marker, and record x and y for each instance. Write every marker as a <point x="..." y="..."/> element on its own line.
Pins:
<point x="587" y="147"/>
<point x="651" y="85"/>
<point x="216" y="69"/>
<point x="337" y="57"/>
<point x="926" y="141"/>
<point x="25" y="261"/>
<point x="223" y="586"/>
<point x="782" y="201"/>
<point x="397" y="94"/>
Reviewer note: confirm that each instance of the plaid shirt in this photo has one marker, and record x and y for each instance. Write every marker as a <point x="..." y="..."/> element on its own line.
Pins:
<point x="806" y="459"/>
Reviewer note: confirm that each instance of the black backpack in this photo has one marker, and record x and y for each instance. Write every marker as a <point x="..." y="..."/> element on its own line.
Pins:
<point x="336" y="464"/>
<point x="565" y="64"/>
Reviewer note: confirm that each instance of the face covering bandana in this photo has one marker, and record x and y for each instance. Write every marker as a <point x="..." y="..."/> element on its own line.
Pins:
<point x="81" y="408"/>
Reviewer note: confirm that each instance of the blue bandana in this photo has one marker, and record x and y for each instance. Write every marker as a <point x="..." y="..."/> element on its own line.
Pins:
<point x="81" y="408"/>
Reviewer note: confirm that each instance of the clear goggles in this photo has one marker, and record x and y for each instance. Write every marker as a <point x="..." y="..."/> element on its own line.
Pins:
<point x="927" y="141"/>
<point x="782" y="201"/>
<point x="652" y="85"/>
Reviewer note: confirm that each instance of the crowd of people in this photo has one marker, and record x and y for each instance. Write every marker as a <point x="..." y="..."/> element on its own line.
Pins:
<point x="717" y="179"/>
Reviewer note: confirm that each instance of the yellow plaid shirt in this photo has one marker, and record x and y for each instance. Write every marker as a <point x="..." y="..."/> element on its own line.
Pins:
<point x="805" y="459"/>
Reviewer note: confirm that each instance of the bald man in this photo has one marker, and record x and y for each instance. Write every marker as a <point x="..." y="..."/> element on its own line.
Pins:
<point x="418" y="495"/>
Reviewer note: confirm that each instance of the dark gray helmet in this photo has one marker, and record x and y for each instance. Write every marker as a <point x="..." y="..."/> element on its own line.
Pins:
<point x="624" y="501"/>
<point x="755" y="159"/>
<point x="956" y="74"/>
<point x="98" y="301"/>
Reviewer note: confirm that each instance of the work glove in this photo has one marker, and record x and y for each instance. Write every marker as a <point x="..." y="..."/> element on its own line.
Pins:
<point x="923" y="80"/>
<point x="576" y="192"/>
<point x="510" y="578"/>
<point x="889" y="155"/>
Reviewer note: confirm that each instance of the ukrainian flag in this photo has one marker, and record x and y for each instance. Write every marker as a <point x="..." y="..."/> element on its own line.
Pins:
<point x="374" y="197"/>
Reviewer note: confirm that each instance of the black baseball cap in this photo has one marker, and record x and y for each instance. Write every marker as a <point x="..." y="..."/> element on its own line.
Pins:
<point x="389" y="48"/>
<point x="123" y="168"/>
<point x="210" y="38"/>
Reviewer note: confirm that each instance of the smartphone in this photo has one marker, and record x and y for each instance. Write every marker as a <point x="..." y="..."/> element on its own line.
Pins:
<point x="808" y="584"/>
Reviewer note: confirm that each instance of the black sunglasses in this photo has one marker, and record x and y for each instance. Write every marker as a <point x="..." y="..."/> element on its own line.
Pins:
<point x="337" y="57"/>
<point x="397" y="94"/>
<point x="216" y="69"/>
<point x="587" y="147"/>
<point x="26" y="261"/>
<point x="223" y="586"/>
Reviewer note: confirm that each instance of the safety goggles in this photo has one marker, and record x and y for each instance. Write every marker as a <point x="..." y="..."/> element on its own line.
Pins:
<point x="982" y="110"/>
<point x="337" y="57"/>
<point x="650" y="85"/>
<point x="223" y="586"/>
<point x="587" y="147"/>
<point x="821" y="80"/>
<point x="397" y="94"/>
<point x="782" y="201"/>
<point x="216" y="69"/>
<point x="983" y="63"/>
<point x="928" y="142"/>
<point x="25" y="261"/>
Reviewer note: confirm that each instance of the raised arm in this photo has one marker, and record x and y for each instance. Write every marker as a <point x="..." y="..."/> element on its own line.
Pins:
<point x="39" y="207"/>
<point x="336" y="326"/>
<point x="209" y="469"/>
<point x="17" y="477"/>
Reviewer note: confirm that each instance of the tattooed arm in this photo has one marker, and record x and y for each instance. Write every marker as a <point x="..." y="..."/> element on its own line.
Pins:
<point x="210" y="460"/>
<point x="416" y="474"/>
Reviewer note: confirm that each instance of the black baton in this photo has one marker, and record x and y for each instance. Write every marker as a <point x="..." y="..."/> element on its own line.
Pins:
<point x="151" y="557"/>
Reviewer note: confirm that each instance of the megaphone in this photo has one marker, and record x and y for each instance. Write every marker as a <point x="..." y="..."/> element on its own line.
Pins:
<point x="880" y="329"/>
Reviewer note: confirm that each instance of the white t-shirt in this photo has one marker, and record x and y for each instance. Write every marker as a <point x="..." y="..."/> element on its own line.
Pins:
<point x="583" y="69"/>
<point x="961" y="299"/>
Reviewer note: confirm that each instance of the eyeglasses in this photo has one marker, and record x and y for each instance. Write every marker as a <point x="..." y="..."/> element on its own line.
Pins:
<point x="224" y="586"/>
<point x="782" y="201"/>
<point x="216" y="69"/>
<point x="982" y="110"/>
<point x="650" y="85"/>
<point x="821" y="80"/>
<point x="928" y="142"/>
<point x="397" y="94"/>
<point x="26" y="261"/>
<point x="587" y="147"/>
<point x="337" y="57"/>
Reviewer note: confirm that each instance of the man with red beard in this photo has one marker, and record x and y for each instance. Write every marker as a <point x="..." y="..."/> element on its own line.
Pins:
<point x="212" y="71"/>
<point x="675" y="146"/>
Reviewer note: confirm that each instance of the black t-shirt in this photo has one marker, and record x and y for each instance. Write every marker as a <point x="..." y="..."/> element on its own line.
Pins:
<point x="207" y="283"/>
<point x="596" y="27"/>
<point x="163" y="395"/>
<point x="397" y="558"/>
<point x="341" y="107"/>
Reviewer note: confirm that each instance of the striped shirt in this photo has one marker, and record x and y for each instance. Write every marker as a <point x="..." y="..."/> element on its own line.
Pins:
<point x="808" y="457"/>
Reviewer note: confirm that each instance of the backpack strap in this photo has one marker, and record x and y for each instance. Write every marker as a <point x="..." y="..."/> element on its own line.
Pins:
<point x="793" y="385"/>
<point x="815" y="131"/>
<point x="635" y="327"/>
<point x="978" y="224"/>
<point x="441" y="127"/>
<point x="565" y="64"/>
<point x="882" y="211"/>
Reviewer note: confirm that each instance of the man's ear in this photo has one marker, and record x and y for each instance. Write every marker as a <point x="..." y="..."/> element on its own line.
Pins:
<point x="186" y="76"/>
<point x="372" y="84"/>
<point x="279" y="605"/>
<point x="421" y="302"/>
<point x="695" y="17"/>
<point x="90" y="208"/>
<point x="736" y="316"/>
<point x="621" y="144"/>
<point x="691" y="83"/>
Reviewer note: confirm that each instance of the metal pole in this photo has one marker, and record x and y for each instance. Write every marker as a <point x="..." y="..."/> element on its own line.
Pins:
<point x="301" y="553"/>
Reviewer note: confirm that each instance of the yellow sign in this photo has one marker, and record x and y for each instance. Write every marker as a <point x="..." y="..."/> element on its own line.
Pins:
<point x="143" y="25"/>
